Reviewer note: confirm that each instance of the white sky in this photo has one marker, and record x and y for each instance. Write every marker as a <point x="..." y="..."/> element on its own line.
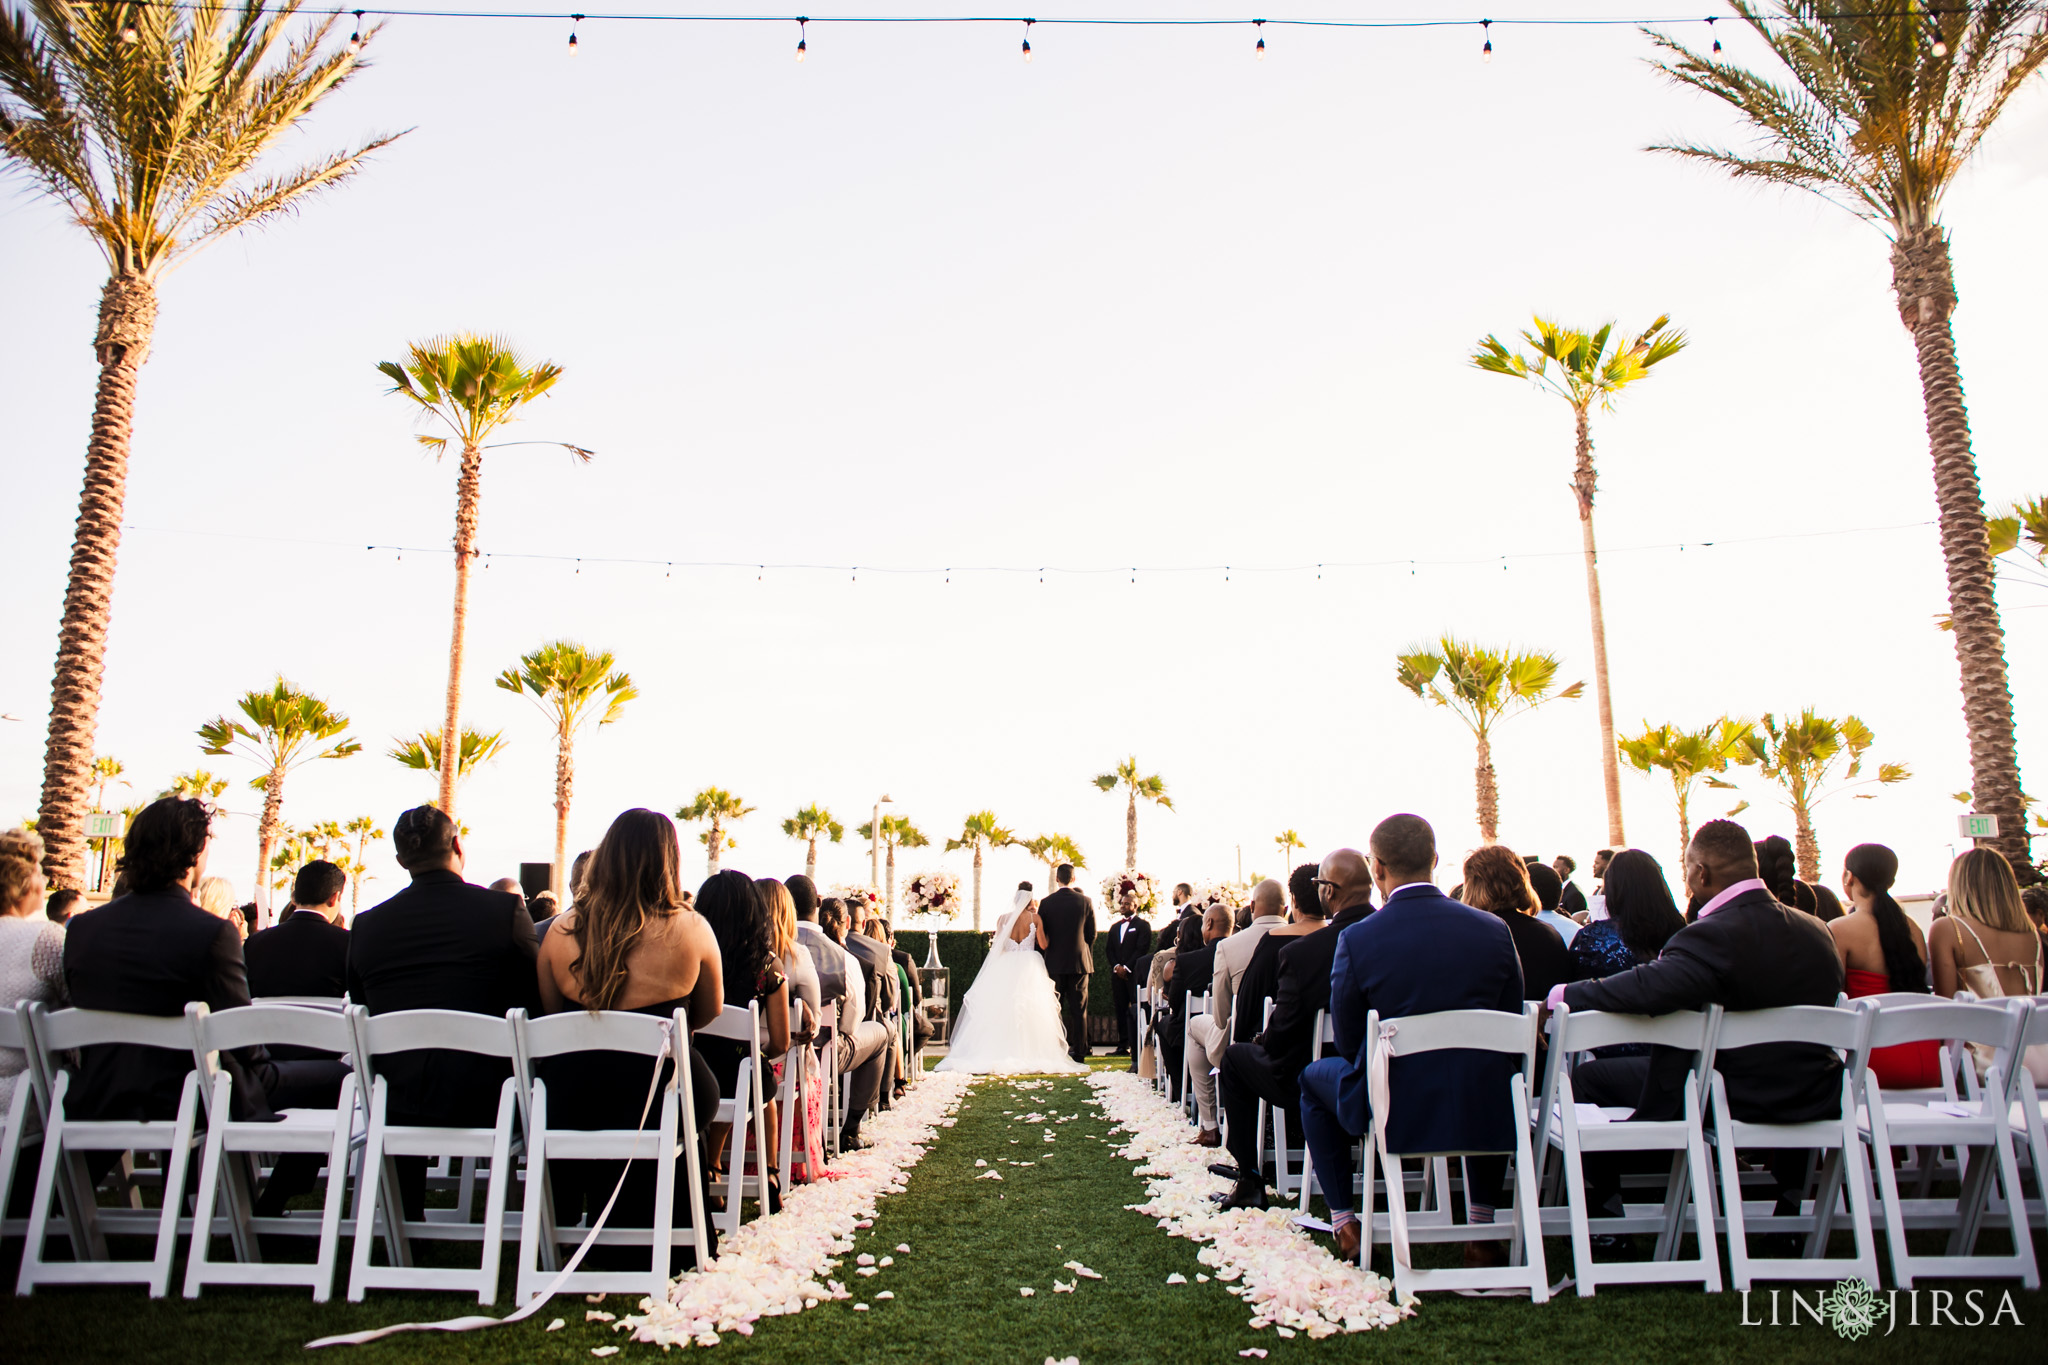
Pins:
<point x="1143" y="301"/>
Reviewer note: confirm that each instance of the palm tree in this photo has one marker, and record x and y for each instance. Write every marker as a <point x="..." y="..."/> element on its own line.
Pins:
<point x="1886" y="105"/>
<point x="566" y="681"/>
<point x="364" y="828"/>
<point x="1482" y="687"/>
<point x="1151" y="788"/>
<point x="1288" y="841"/>
<point x="286" y="728"/>
<point x="1052" y="850"/>
<point x="1800" y="756"/>
<point x="1585" y="368"/>
<point x="147" y="123"/>
<point x="197" y="785"/>
<point x="105" y="770"/>
<point x="1690" y="756"/>
<point x="810" y="824"/>
<point x="979" y="832"/>
<point x="472" y="385"/>
<point x="422" y="752"/>
<point x="718" y="807"/>
<point x="897" y="832"/>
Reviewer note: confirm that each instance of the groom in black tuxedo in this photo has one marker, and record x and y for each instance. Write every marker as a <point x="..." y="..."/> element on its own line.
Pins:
<point x="1069" y="920"/>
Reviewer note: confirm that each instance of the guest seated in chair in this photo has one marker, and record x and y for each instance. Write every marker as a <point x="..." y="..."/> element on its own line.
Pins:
<point x="752" y="974"/>
<point x="306" y="952"/>
<point x="1420" y="953"/>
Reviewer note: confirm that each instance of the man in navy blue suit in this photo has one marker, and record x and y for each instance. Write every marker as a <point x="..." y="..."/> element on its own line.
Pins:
<point x="1420" y="953"/>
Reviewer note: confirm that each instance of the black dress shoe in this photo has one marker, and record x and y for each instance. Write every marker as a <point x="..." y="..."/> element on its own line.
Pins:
<point x="854" y="1142"/>
<point x="1249" y="1194"/>
<point x="1226" y="1170"/>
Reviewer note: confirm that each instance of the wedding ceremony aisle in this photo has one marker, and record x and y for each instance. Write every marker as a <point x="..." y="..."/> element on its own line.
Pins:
<point x="975" y="1243"/>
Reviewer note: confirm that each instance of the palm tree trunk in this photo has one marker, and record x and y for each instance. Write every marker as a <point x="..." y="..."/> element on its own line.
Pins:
<point x="268" y="827"/>
<point x="711" y="845"/>
<point x="1489" y="794"/>
<point x="1131" y="834"/>
<point x="468" y="495"/>
<point x="811" y="859"/>
<point x="977" y="888"/>
<point x="1925" y="283"/>
<point x="565" y="784"/>
<point x="1805" y="847"/>
<point x="127" y="322"/>
<point x="1583" y="483"/>
<point x="1684" y="820"/>
<point x="355" y="881"/>
<point x="891" y="866"/>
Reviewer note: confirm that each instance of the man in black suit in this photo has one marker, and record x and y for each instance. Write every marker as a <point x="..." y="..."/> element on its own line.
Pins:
<point x="1571" y="900"/>
<point x="1269" y="1066"/>
<point x="1194" y="964"/>
<point x="442" y="943"/>
<point x="1130" y="939"/>
<point x="306" y="952"/>
<point x="1745" y="951"/>
<point x="151" y="951"/>
<point x="1069" y="920"/>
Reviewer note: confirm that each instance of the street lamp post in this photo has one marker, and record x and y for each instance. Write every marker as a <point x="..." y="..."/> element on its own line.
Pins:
<point x="875" y="847"/>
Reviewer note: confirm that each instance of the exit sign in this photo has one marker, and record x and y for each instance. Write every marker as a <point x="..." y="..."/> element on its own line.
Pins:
<point x="1978" y="826"/>
<point x="103" y="824"/>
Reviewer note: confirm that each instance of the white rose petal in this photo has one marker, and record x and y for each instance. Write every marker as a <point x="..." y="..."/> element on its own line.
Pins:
<point x="1026" y="1292"/>
<point x="604" y="1351"/>
<point x="1176" y="1278"/>
<point x="886" y="1294"/>
<point x="886" y="1260"/>
<point x="557" y="1325"/>
<point x="860" y="1308"/>
<point x="595" y="1315"/>
<point x="864" y="1259"/>
<point x="903" y="1246"/>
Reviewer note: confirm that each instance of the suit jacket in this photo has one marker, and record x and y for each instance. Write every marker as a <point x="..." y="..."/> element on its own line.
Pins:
<point x="826" y="957"/>
<point x="444" y="944"/>
<point x="1301" y="989"/>
<point x="879" y="971"/>
<point x="1422" y="953"/>
<point x="1573" y="901"/>
<point x="301" y="955"/>
<point x="1545" y="960"/>
<point x="1233" y="956"/>
<point x="1069" y="918"/>
<point x="1751" y="954"/>
<point x="1191" y="973"/>
<point x="1255" y="987"/>
<point x="150" y="952"/>
<point x="1129" y="940"/>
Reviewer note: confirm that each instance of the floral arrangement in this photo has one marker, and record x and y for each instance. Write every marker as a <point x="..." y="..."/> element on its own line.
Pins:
<point x="1132" y="891"/>
<point x="1229" y="895"/>
<point x="863" y="902"/>
<point x="934" y="893"/>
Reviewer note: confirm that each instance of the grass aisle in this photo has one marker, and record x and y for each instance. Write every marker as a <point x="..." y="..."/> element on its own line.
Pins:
<point x="973" y="1244"/>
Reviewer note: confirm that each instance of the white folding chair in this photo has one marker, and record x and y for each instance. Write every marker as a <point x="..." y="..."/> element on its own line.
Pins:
<point x="2028" y="1115"/>
<point x="67" y="1139"/>
<point x="746" y="1111"/>
<point x="1981" y="1124"/>
<point x="334" y="1004"/>
<point x="1844" y="1172"/>
<point x="222" y="1171"/>
<point x="377" y="1195"/>
<point x="828" y="1080"/>
<point x="1469" y="1030"/>
<point x="1273" y="1126"/>
<point x="1575" y="1129"/>
<point x="676" y="1132"/>
<point x="1198" y="1007"/>
<point x="24" y="1122"/>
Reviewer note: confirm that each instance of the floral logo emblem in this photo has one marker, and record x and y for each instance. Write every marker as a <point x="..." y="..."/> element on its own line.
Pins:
<point x="1851" y="1308"/>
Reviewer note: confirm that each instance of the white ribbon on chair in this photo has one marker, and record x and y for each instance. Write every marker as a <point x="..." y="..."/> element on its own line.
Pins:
<point x="476" y="1321"/>
<point x="1376" y="1076"/>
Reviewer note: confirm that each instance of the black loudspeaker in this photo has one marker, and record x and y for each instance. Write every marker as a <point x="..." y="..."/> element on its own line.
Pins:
<point x="534" y="878"/>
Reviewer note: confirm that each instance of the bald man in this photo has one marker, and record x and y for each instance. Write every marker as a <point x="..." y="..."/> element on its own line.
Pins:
<point x="1209" y="1034"/>
<point x="1194" y="965"/>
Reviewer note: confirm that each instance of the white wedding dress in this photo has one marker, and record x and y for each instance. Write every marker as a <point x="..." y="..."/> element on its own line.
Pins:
<point x="1009" y="1024"/>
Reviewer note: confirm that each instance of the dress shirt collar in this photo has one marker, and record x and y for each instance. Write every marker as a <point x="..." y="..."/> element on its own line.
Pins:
<point x="1417" y="888"/>
<point x="1740" y="888"/>
<point x="1269" y="919"/>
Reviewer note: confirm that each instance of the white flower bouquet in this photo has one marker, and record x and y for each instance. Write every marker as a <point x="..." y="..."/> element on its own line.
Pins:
<point x="934" y="893"/>
<point x="1132" y="891"/>
<point x="862" y="902"/>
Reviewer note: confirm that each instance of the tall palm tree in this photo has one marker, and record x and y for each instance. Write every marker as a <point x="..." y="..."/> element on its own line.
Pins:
<point x="810" y="824"/>
<point x="105" y="770"/>
<point x="897" y="832"/>
<point x="147" y="123"/>
<point x="718" y="808"/>
<point x="1482" y="687"/>
<point x="1052" y="850"/>
<point x="472" y="385"/>
<point x="1585" y="368"/>
<point x="285" y="728"/>
<point x="568" y="683"/>
<point x="364" y="829"/>
<point x="422" y="753"/>
<point x="1886" y="104"/>
<point x="980" y="832"/>
<point x="197" y="785"/>
<point x="1690" y="756"/>
<point x="1800" y="756"/>
<point x="1288" y="841"/>
<point x="1152" y="788"/>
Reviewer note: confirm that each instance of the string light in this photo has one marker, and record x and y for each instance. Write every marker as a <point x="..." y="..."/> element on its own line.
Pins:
<point x="1940" y="48"/>
<point x="355" y="39"/>
<point x="574" y="20"/>
<point x="128" y="33"/>
<point x="1262" y="38"/>
<point x="803" y="29"/>
<point x="1027" y="40"/>
<point x="1486" y="27"/>
<point x="1717" y="36"/>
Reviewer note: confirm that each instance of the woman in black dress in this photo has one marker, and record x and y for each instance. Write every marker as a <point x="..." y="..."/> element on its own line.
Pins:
<point x="731" y="904"/>
<point x="630" y="943"/>
<point x="1498" y="880"/>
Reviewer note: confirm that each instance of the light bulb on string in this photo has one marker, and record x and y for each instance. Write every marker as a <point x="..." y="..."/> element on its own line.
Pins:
<point x="1940" y="48"/>
<point x="574" y="20"/>
<point x="128" y="33"/>
<point x="355" y="39"/>
<point x="1260" y="50"/>
<point x="803" y="28"/>
<point x="1027" y="40"/>
<point x="1486" y="52"/>
<point x="1717" y="37"/>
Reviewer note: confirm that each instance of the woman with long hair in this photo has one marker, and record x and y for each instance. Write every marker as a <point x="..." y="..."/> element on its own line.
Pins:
<point x="1638" y="917"/>
<point x="216" y="896"/>
<point x="731" y="905"/>
<point x="1778" y="865"/>
<point x="629" y="943"/>
<point x="1883" y="952"/>
<point x="805" y="1009"/>
<point x="1986" y="944"/>
<point x="1497" y="880"/>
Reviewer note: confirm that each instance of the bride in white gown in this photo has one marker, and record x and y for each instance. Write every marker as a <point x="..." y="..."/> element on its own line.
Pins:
<point x="1009" y="1024"/>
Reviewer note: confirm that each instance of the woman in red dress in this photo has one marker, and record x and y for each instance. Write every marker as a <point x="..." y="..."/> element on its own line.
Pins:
<point x="1883" y="951"/>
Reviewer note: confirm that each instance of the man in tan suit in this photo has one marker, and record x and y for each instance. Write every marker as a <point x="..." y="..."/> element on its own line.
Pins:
<point x="1211" y="1033"/>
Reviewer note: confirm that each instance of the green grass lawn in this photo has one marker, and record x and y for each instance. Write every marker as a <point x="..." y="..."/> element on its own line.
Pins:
<point x="973" y="1244"/>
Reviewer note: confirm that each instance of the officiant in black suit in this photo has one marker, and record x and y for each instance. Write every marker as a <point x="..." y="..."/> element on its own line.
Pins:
<point x="1130" y="939"/>
<point x="1069" y="920"/>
